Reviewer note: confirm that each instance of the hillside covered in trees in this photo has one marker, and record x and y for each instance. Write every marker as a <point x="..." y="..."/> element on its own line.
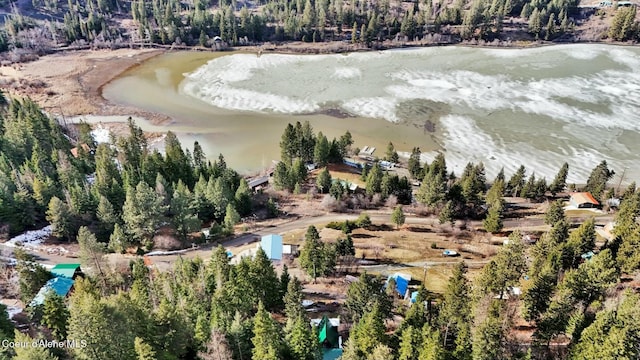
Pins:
<point x="44" y="25"/>
<point x="214" y="310"/>
<point x="122" y="192"/>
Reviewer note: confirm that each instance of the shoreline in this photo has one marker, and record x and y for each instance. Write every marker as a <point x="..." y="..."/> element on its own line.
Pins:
<point x="78" y="89"/>
<point x="70" y="84"/>
<point x="73" y="84"/>
<point x="340" y="47"/>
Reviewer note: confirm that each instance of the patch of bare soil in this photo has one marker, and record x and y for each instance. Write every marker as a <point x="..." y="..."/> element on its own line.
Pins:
<point x="70" y="83"/>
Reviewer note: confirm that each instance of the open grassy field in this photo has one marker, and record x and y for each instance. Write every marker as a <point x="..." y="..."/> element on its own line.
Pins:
<point x="436" y="276"/>
<point x="345" y="172"/>
<point x="406" y="245"/>
<point x="410" y="246"/>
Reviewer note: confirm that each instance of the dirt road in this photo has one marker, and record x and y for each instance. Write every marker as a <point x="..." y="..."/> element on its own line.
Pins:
<point x="297" y="223"/>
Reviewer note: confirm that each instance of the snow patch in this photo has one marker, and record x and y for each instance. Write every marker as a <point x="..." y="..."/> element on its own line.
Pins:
<point x="13" y="311"/>
<point x="159" y="252"/>
<point x="101" y="135"/>
<point x="31" y="239"/>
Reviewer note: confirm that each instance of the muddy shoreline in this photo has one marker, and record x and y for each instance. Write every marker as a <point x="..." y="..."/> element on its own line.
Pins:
<point x="70" y="84"/>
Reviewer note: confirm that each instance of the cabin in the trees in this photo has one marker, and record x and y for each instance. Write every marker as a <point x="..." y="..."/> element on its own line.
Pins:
<point x="60" y="285"/>
<point x="272" y="246"/>
<point x="402" y="284"/>
<point x="329" y="337"/>
<point x="71" y="271"/>
<point x="258" y="183"/>
<point x="583" y="200"/>
<point x="346" y="185"/>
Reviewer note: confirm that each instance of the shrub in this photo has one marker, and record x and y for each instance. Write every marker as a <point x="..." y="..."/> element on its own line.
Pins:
<point x="363" y="221"/>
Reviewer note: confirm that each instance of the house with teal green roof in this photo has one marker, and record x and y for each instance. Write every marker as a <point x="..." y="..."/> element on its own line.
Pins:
<point x="61" y="284"/>
<point x="328" y="333"/>
<point x="70" y="271"/>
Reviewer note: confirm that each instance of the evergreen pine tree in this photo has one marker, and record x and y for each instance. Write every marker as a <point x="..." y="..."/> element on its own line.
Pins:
<point x="55" y="315"/>
<point x="559" y="183"/>
<point x="266" y="340"/>
<point x="323" y="182"/>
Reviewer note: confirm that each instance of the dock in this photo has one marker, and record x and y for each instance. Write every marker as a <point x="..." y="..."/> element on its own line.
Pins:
<point x="368" y="150"/>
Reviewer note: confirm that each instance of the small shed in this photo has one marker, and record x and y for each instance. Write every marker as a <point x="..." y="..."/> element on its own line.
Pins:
<point x="328" y="331"/>
<point x="290" y="249"/>
<point x="583" y="200"/>
<point x="256" y="183"/>
<point x="70" y="271"/>
<point x="60" y="285"/>
<point x="402" y="283"/>
<point x="272" y="246"/>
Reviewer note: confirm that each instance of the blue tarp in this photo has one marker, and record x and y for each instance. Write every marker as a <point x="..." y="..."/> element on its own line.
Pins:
<point x="588" y="255"/>
<point x="414" y="296"/>
<point x="402" y="283"/>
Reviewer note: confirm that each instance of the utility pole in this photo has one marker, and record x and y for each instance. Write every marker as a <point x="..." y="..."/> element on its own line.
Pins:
<point x="424" y="278"/>
<point x="620" y="182"/>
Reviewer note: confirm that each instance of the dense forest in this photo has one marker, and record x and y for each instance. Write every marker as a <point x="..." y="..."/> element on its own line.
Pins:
<point x="48" y="24"/>
<point x="123" y="192"/>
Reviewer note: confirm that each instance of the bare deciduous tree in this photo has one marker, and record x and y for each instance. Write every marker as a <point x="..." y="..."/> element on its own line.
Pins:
<point x="217" y="348"/>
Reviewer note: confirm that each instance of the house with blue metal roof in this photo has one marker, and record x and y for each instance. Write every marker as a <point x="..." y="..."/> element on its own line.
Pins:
<point x="59" y="285"/>
<point x="272" y="246"/>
